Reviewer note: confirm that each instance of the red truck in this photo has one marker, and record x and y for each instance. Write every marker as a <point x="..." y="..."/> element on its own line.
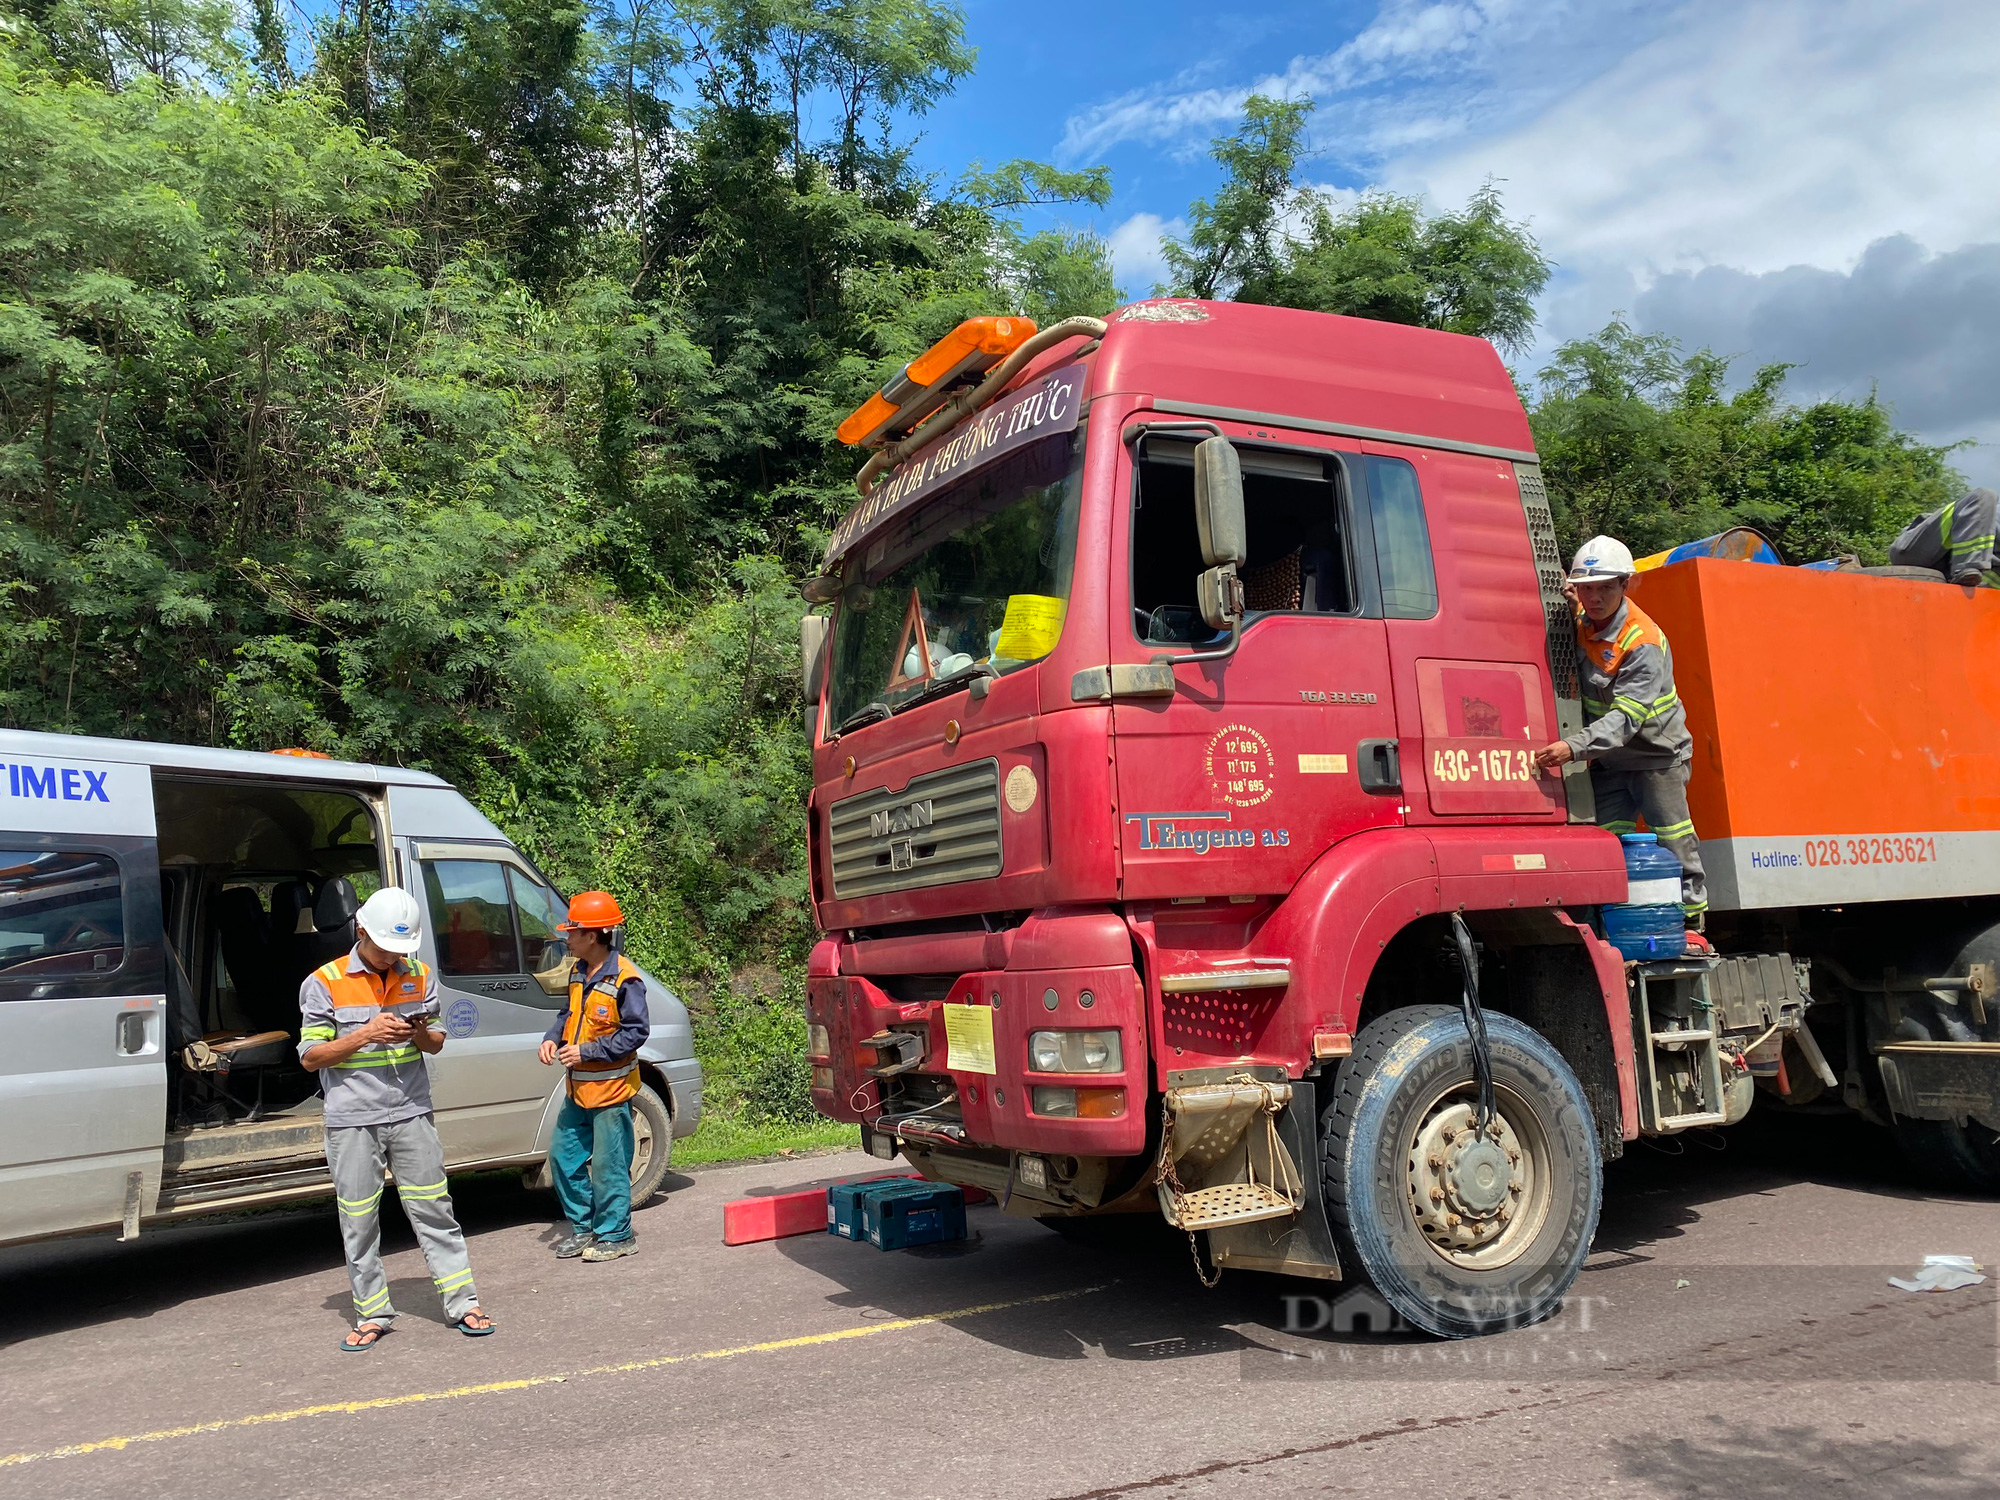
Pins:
<point x="1177" y="845"/>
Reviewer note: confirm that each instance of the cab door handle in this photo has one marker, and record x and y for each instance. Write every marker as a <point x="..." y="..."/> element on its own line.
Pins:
<point x="132" y="1032"/>
<point x="1381" y="767"/>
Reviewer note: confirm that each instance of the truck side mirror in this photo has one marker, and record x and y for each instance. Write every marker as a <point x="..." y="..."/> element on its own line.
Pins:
<point x="813" y="631"/>
<point x="1219" y="593"/>
<point x="1218" y="503"/>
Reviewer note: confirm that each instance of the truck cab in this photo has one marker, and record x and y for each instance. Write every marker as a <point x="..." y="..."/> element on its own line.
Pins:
<point x="1176" y="691"/>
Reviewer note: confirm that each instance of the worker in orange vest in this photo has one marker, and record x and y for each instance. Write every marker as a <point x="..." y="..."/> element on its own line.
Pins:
<point x="597" y="1040"/>
<point x="1636" y="740"/>
<point x="365" y="1027"/>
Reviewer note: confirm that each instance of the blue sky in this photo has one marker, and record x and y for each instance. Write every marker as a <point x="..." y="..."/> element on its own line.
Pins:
<point x="1807" y="180"/>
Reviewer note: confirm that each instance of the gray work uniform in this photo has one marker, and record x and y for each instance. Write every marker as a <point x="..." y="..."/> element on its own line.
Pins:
<point x="1636" y="741"/>
<point x="378" y="1114"/>
<point x="1957" y="540"/>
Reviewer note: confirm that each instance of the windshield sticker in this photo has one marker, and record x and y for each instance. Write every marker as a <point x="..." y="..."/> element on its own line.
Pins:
<point x="1047" y="407"/>
<point x="1031" y="627"/>
<point x="1203" y="833"/>
<point x="1239" y="765"/>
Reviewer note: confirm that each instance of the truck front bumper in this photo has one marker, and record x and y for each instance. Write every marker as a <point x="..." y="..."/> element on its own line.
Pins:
<point x="948" y="1098"/>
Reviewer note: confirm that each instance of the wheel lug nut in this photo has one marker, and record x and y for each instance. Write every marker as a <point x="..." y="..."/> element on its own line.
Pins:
<point x="1449" y="1134"/>
<point x="1437" y="1195"/>
<point x="1513" y="1155"/>
<point x="1514" y="1188"/>
<point x="1451" y="1221"/>
<point x="1437" y="1162"/>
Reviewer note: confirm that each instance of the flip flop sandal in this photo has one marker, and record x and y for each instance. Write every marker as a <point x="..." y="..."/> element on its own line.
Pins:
<point x="377" y="1329"/>
<point x="475" y="1333"/>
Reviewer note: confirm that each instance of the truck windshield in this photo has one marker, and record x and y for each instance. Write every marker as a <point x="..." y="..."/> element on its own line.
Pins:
<point x="974" y="582"/>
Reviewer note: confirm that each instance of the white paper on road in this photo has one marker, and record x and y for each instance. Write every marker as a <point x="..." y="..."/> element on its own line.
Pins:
<point x="1941" y="1273"/>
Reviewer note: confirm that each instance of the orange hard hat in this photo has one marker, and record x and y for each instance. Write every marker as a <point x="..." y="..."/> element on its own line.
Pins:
<point x="594" y="909"/>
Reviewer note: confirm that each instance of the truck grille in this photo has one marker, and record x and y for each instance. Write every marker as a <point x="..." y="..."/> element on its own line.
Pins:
<point x="1565" y="661"/>
<point x="942" y="827"/>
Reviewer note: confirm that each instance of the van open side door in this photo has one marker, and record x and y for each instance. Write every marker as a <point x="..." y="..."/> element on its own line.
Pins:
<point x="83" y="1013"/>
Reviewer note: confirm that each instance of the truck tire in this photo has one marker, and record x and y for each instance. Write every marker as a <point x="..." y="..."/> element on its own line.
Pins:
<point x="1903" y="570"/>
<point x="1460" y="1244"/>
<point x="652" y="1144"/>
<point x="1960" y="1158"/>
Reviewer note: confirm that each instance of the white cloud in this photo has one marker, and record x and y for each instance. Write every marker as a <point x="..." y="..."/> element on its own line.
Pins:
<point x="1917" y="326"/>
<point x="1761" y="176"/>
<point x="1759" y="136"/>
<point x="1419" y="72"/>
<point x="1135" y="251"/>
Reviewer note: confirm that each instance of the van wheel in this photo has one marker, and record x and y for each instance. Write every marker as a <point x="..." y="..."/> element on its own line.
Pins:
<point x="1462" y="1234"/>
<point x="652" y="1144"/>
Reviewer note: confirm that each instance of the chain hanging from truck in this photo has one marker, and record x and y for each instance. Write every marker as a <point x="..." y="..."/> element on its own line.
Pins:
<point x="1475" y="1019"/>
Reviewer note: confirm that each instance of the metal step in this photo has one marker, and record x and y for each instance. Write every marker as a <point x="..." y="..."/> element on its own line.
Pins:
<point x="1231" y="1203"/>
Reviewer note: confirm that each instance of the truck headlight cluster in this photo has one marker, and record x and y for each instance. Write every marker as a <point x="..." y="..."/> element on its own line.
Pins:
<point x="1075" y="1052"/>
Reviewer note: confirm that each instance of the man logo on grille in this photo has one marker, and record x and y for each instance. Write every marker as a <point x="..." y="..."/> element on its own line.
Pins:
<point x="905" y="819"/>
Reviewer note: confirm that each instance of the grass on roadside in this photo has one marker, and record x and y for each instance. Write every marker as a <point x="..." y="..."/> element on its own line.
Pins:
<point x="731" y="1137"/>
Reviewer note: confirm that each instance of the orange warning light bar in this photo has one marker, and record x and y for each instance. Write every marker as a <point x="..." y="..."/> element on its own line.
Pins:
<point x="972" y="348"/>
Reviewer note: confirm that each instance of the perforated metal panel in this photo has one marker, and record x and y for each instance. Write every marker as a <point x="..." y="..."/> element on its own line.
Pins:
<point x="1565" y="666"/>
<point x="942" y="827"/>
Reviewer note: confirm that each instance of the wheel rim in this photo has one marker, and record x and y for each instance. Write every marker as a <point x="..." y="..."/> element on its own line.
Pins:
<point x="642" y="1145"/>
<point x="1479" y="1198"/>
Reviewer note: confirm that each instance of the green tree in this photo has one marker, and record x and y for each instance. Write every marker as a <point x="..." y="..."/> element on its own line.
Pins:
<point x="1640" y="441"/>
<point x="1474" y="271"/>
<point x="1238" y="237"/>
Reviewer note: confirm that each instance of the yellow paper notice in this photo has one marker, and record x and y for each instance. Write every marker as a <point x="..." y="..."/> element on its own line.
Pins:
<point x="968" y="1036"/>
<point x="1031" y="627"/>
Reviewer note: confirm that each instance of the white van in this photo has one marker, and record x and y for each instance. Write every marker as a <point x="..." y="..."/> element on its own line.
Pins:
<point x="159" y="905"/>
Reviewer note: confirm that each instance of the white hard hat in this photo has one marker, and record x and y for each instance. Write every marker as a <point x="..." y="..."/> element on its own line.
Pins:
<point x="1601" y="558"/>
<point x="392" y="920"/>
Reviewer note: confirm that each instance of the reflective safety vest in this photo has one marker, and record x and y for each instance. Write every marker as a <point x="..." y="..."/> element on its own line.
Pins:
<point x="592" y="1016"/>
<point x="400" y="991"/>
<point x="1606" y="657"/>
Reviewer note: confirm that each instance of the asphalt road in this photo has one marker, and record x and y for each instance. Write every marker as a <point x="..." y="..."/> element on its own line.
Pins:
<point x="1733" y="1335"/>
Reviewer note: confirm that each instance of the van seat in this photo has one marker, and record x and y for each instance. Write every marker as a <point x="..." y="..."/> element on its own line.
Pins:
<point x="333" y="920"/>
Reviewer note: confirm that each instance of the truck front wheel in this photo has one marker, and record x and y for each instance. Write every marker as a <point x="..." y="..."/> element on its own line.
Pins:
<point x="1463" y="1231"/>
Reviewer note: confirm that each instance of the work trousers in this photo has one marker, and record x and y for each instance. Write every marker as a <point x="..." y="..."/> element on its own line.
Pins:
<point x="591" y="1161"/>
<point x="1660" y="797"/>
<point x="1958" y="540"/>
<point x="357" y="1155"/>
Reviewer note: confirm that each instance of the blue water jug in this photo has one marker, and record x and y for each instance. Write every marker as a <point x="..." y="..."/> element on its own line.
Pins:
<point x="1648" y="923"/>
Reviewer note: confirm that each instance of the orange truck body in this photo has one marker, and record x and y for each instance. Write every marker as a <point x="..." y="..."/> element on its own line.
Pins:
<point x="1846" y="731"/>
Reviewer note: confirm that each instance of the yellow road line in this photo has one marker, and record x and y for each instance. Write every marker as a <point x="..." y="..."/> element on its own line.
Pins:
<point x="526" y="1382"/>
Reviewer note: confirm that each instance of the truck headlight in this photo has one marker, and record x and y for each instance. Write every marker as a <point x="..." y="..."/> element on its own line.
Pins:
<point x="1075" y="1052"/>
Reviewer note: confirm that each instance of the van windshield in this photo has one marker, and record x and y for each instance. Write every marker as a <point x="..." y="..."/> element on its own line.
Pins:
<point x="974" y="582"/>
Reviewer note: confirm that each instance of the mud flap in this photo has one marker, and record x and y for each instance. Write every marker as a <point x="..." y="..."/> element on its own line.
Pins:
<point x="1301" y="1244"/>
